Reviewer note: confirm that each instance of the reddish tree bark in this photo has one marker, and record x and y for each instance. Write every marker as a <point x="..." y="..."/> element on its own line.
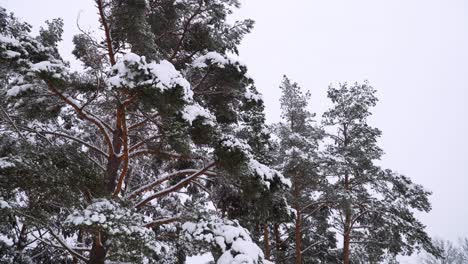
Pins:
<point x="98" y="251"/>
<point x="110" y="49"/>
<point x="277" y="239"/>
<point x="347" y="223"/>
<point x="346" y="250"/>
<point x="266" y="240"/>
<point x="298" y="238"/>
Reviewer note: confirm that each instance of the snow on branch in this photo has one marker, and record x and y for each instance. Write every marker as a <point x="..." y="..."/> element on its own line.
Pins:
<point x="253" y="95"/>
<point x="118" y="222"/>
<point x="162" y="179"/>
<point x="81" y="141"/>
<point x="67" y="247"/>
<point x="193" y="111"/>
<point x="175" y="187"/>
<point x="56" y="236"/>
<point x="266" y="173"/>
<point x="132" y="71"/>
<point x="84" y="115"/>
<point x="4" y="204"/>
<point x="228" y="236"/>
<point x="162" y="221"/>
<point x="4" y="164"/>
<point x="215" y="58"/>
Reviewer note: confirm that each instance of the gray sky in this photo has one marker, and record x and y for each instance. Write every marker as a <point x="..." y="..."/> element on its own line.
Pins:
<point x="414" y="52"/>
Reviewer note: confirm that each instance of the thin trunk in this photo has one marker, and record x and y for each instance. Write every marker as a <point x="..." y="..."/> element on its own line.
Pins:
<point x="298" y="238"/>
<point x="298" y="222"/>
<point x="98" y="251"/>
<point x="266" y="240"/>
<point x="114" y="161"/>
<point x="257" y="233"/>
<point x="277" y="240"/>
<point x="113" y="165"/>
<point x="80" y="240"/>
<point x="347" y="221"/>
<point x="110" y="49"/>
<point x="347" y="228"/>
<point x="346" y="249"/>
<point x="223" y="209"/>
<point x="22" y="239"/>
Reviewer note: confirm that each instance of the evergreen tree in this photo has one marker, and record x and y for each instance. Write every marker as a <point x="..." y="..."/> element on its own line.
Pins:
<point x="450" y="253"/>
<point x="300" y="162"/>
<point x="373" y="208"/>
<point x="118" y="162"/>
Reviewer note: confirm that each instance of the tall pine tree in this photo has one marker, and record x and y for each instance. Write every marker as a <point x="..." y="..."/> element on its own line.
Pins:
<point x="373" y="208"/>
<point x="299" y="160"/>
<point x="119" y="162"/>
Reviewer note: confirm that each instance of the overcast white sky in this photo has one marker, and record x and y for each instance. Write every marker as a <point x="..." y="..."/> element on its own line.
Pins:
<point x="414" y="52"/>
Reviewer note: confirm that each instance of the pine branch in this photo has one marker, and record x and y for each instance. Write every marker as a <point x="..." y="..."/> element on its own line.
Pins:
<point x="205" y="76"/>
<point x="161" y="154"/>
<point x="185" y="30"/>
<point x="110" y="49"/>
<point x="84" y="115"/>
<point x="59" y="239"/>
<point x="162" y="221"/>
<point x="167" y="177"/>
<point x="89" y="145"/>
<point x="66" y="246"/>
<point x="11" y="122"/>
<point x="175" y="187"/>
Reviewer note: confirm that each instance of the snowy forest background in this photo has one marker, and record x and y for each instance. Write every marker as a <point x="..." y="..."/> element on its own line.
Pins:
<point x="156" y="148"/>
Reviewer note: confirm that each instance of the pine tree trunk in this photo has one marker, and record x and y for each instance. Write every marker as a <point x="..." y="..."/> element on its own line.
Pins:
<point x="22" y="239"/>
<point x="113" y="163"/>
<point x="277" y="241"/>
<point x="347" y="227"/>
<point x="80" y="240"/>
<point x="257" y="232"/>
<point x="298" y="238"/>
<point x="266" y="240"/>
<point x="98" y="252"/>
<point x="21" y="244"/>
<point x="347" y="235"/>
<point x="112" y="169"/>
<point x="346" y="250"/>
<point x="298" y="222"/>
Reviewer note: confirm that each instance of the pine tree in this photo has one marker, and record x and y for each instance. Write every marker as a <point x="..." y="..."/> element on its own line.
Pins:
<point x="373" y="208"/>
<point x="450" y="253"/>
<point x="116" y="162"/>
<point x="300" y="162"/>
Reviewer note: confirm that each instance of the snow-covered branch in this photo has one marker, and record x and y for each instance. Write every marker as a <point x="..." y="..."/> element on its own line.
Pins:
<point x="164" y="178"/>
<point x="84" y="115"/>
<point x="81" y="141"/>
<point x="162" y="154"/>
<point x="57" y="237"/>
<point x="175" y="187"/>
<point x="162" y="221"/>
